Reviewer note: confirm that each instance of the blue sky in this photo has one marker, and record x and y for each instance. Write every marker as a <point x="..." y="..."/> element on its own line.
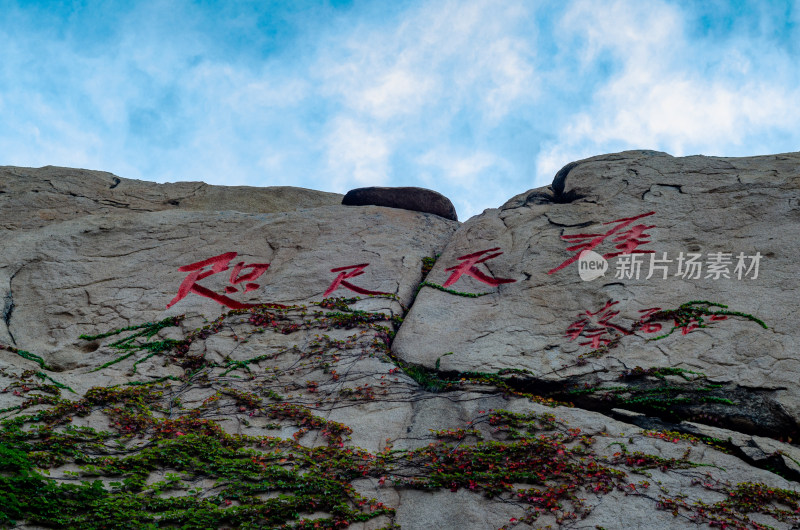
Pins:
<point x="479" y="100"/>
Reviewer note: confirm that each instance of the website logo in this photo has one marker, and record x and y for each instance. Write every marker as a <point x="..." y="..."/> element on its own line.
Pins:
<point x="591" y="265"/>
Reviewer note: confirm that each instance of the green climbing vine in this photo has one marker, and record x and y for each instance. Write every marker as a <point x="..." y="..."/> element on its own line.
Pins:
<point x="449" y="291"/>
<point x="649" y="390"/>
<point x="694" y="313"/>
<point x="240" y="433"/>
<point x="26" y="355"/>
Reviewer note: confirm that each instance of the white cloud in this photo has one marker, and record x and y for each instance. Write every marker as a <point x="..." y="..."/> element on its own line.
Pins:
<point x="397" y="92"/>
<point x="356" y="154"/>
<point x="448" y="54"/>
<point x="244" y="91"/>
<point x="467" y="97"/>
<point x="434" y="81"/>
<point x="691" y="113"/>
<point x="670" y="93"/>
<point x="512" y="78"/>
<point x="473" y="181"/>
<point x="637" y="30"/>
<point x="554" y="157"/>
<point x="464" y="170"/>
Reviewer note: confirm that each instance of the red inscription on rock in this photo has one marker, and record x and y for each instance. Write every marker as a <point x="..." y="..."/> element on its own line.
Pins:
<point x="598" y="328"/>
<point x="357" y="270"/>
<point x="219" y="264"/>
<point x="468" y="268"/>
<point x="627" y="241"/>
<point x="647" y="326"/>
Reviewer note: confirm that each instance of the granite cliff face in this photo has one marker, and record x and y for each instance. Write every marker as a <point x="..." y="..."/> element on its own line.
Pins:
<point x="206" y="357"/>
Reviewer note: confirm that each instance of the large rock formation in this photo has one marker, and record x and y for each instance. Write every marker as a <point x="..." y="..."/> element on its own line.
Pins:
<point x="34" y="198"/>
<point x="649" y="214"/>
<point x="206" y="357"/>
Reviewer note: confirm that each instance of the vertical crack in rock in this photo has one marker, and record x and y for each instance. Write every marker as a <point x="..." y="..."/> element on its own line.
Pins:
<point x="8" y="309"/>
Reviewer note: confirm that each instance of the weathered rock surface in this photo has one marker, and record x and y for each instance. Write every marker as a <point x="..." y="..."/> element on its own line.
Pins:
<point x="104" y="272"/>
<point x="585" y="339"/>
<point x="215" y="365"/>
<point x="34" y="198"/>
<point x="406" y="198"/>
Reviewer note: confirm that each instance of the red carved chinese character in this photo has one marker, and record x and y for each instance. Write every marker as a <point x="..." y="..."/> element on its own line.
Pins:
<point x="627" y="240"/>
<point x="598" y="328"/>
<point x="340" y="280"/>
<point x="595" y="326"/>
<point x="694" y="324"/>
<point x="258" y="270"/>
<point x="468" y="268"/>
<point x="575" y="329"/>
<point x="218" y="264"/>
<point x="647" y="326"/>
<point x="690" y="326"/>
<point x="596" y="339"/>
<point x="607" y="315"/>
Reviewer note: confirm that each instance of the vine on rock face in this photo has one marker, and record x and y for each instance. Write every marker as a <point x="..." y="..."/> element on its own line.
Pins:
<point x="244" y="438"/>
<point x="450" y="291"/>
<point x="692" y="314"/>
<point x="131" y="346"/>
<point x="26" y="355"/>
<point x="648" y="390"/>
<point x="162" y="425"/>
<point x="427" y="265"/>
<point x="687" y="317"/>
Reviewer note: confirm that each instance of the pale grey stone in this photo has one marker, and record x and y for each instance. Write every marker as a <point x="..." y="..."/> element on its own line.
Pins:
<point x="84" y="252"/>
<point x="700" y="205"/>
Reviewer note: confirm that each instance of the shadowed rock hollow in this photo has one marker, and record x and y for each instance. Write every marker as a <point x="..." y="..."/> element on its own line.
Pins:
<point x="209" y="357"/>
